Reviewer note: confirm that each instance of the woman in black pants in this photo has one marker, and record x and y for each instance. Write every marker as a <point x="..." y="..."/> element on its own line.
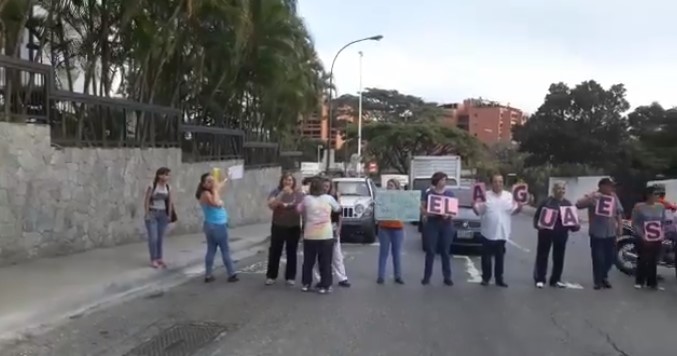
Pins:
<point x="285" y="228"/>
<point x="556" y="238"/>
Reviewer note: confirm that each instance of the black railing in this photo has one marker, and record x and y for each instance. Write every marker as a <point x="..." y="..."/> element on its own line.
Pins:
<point x="205" y="143"/>
<point x="261" y="154"/>
<point x="291" y="160"/>
<point x="24" y="91"/>
<point x="28" y="95"/>
<point x="89" y="121"/>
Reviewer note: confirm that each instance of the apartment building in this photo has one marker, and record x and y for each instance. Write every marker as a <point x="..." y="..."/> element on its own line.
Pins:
<point x="317" y="126"/>
<point x="487" y="120"/>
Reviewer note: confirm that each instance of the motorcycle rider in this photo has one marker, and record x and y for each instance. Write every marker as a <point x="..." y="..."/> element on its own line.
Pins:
<point x="648" y="250"/>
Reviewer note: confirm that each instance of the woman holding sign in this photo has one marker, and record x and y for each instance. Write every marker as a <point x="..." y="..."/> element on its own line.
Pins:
<point x="390" y="234"/>
<point x="554" y="218"/>
<point x="648" y="220"/>
<point x="438" y="205"/>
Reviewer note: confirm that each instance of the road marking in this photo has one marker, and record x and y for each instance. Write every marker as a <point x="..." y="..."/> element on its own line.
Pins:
<point x="514" y="244"/>
<point x="572" y="285"/>
<point x="471" y="270"/>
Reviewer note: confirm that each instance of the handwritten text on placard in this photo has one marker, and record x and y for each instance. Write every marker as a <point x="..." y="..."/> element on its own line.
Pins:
<point x="520" y="193"/>
<point x="442" y="205"/>
<point x="478" y="192"/>
<point x="548" y="218"/>
<point x="653" y="230"/>
<point x="569" y="215"/>
<point x="605" y="206"/>
<point x="399" y="205"/>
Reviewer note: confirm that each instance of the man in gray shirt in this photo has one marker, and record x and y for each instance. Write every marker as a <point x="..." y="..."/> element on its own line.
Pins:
<point x="605" y="212"/>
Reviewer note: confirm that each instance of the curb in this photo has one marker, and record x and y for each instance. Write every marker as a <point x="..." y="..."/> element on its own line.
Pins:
<point x="41" y="320"/>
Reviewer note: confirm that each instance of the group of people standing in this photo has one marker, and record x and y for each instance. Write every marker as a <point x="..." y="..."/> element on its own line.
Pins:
<point x="315" y="216"/>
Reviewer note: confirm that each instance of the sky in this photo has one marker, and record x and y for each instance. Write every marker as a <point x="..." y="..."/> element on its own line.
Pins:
<point x="509" y="51"/>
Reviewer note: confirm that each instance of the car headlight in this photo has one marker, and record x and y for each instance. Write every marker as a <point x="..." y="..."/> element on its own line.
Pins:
<point x="359" y="209"/>
<point x="369" y="210"/>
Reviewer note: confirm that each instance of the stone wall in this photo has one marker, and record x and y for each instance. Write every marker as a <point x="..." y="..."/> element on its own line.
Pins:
<point x="62" y="201"/>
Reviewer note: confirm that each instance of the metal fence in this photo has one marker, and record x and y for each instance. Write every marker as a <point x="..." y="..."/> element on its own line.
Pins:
<point x="28" y="95"/>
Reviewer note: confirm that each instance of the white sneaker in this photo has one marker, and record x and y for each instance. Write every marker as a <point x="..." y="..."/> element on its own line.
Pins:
<point x="270" y="282"/>
<point x="540" y="285"/>
<point x="560" y="285"/>
<point x="322" y="291"/>
<point x="290" y="282"/>
<point x="305" y="288"/>
<point x="638" y="286"/>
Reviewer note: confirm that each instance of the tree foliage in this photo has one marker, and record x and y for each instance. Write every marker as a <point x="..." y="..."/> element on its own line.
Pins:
<point x="391" y="145"/>
<point x="390" y="106"/>
<point x="248" y="64"/>
<point x="584" y="124"/>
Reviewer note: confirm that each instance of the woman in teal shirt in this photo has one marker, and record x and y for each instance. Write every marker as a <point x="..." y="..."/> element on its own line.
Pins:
<point x="215" y="225"/>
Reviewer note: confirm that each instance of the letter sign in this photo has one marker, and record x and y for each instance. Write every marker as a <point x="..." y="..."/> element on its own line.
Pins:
<point x="569" y="215"/>
<point x="653" y="231"/>
<point x="547" y="219"/>
<point x="478" y="193"/>
<point x="442" y="205"/>
<point x="605" y="206"/>
<point x="520" y="193"/>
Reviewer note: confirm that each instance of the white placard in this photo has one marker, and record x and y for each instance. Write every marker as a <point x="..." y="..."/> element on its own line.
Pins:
<point x="236" y="172"/>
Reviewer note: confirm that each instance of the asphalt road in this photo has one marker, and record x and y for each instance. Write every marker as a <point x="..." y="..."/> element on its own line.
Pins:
<point x="370" y="319"/>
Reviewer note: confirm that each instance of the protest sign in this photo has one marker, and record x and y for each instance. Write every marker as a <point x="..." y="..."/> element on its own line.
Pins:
<point x="547" y="219"/>
<point x="400" y="205"/>
<point x="479" y="192"/>
<point x="653" y="230"/>
<point x="520" y="193"/>
<point x="569" y="215"/>
<point x="442" y="205"/>
<point x="605" y="205"/>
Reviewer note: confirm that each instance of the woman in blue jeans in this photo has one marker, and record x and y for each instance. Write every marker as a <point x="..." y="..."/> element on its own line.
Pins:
<point x="438" y="230"/>
<point x="215" y="225"/>
<point x="390" y="234"/>
<point x="158" y="212"/>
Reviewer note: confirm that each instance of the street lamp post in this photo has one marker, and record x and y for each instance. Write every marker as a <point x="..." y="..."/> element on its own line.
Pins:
<point x="331" y="84"/>
<point x="359" y="114"/>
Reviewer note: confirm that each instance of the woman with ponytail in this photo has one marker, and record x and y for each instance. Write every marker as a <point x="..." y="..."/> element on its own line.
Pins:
<point x="215" y="225"/>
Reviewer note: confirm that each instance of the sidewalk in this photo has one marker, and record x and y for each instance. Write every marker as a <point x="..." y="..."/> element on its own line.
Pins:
<point x="39" y="294"/>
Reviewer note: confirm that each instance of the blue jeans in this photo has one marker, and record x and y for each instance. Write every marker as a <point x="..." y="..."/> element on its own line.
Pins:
<point x="603" y="252"/>
<point x="438" y="234"/>
<point x="156" y="226"/>
<point x="388" y="238"/>
<point x="217" y="238"/>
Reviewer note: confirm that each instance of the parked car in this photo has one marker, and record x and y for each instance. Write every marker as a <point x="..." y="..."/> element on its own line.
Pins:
<point x="467" y="224"/>
<point x="356" y="197"/>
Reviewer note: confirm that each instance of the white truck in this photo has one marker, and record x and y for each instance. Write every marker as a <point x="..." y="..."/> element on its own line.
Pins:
<point x="421" y="168"/>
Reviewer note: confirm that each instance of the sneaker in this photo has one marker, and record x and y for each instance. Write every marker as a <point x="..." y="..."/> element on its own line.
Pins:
<point x="305" y="288"/>
<point x="501" y="284"/>
<point x="234" y="278"/>
<point x="209" y="279"/>
<point x="344" y="284"/>
<point x="270" y="282"/>
<point x="597" y="286"/>
<point x="484" y="283"/>
<point x="380" y="280"/>
<point x="290" y="282"/>
<point x="540" y="285"/>
<point x="606" y="284"/>
<point x="638" y="286"/>
<point x="425" y="282"/>
<point x="399" y="281"/>
<point x="322" y="291"/>
<point x="558" y="285"/>
<point x="448" y="282"/>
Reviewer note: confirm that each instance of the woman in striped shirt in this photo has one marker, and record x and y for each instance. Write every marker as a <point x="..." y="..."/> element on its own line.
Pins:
<point x="390" y="235"/>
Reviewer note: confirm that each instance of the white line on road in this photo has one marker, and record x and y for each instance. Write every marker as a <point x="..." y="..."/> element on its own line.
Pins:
<point x="517" y="246"/>
<point x="572" y="285"/>
<point x="474" y="274"/>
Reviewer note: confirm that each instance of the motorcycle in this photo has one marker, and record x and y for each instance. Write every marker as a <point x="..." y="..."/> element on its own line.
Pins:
<point x="626" y="251"/>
